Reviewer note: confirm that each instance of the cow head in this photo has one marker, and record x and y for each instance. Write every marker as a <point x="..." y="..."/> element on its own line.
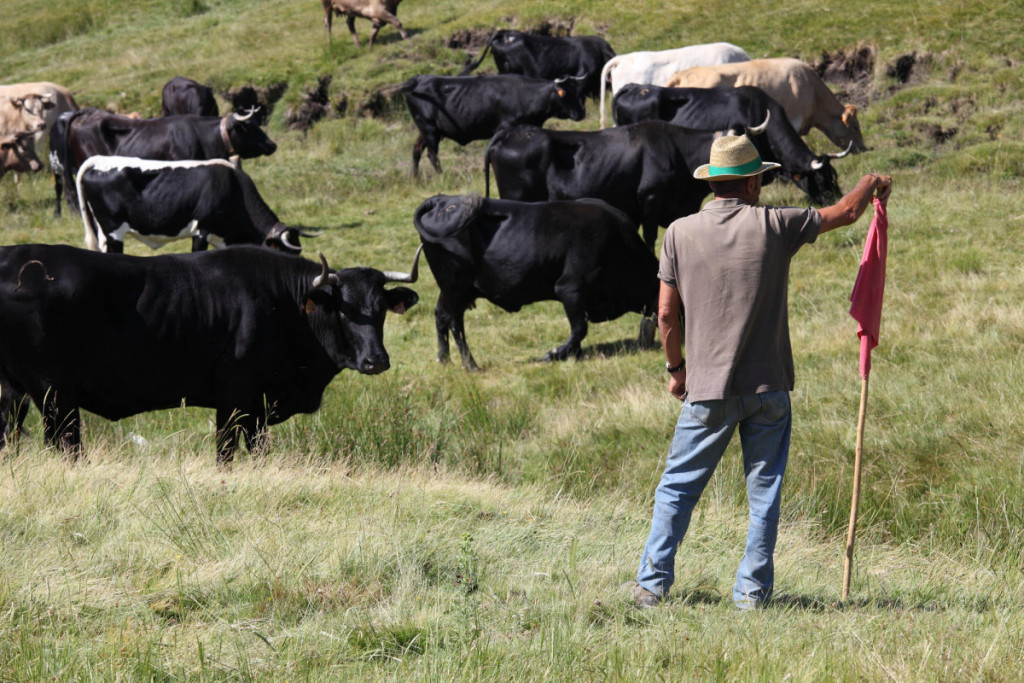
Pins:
<point x="569" y="98"/>
<point x="18" y="153"/>
<point x="286" y="238"/>
<point x="852" y="135"/>
<point x="347" y="307"/>
<point x="33" y="110"/>
<point x="820" y="181"/>
<point x="246" y="138"/>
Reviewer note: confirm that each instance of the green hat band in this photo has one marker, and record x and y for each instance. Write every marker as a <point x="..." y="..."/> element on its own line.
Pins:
<point x="748" y="167"/>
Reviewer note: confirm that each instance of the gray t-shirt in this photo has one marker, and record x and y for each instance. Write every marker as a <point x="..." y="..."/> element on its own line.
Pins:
<point x="730" y="264"/>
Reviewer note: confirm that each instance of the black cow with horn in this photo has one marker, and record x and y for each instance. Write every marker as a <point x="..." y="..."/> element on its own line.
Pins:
<point x="252" y="333"/>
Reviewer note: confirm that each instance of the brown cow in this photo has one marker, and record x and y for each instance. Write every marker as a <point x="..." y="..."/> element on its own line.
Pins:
<point x="18" y="154"/>
<point x="35" y="101"/>
<point x="797" y="87"/>
<point x="377" y="11"/>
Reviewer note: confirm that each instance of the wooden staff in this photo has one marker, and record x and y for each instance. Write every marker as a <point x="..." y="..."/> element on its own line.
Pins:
<point x="852" y="532"/>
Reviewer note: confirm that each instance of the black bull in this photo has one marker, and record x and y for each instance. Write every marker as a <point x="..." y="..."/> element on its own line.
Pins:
<point x="184" y="96"/>
<point x="583" y="253"/>
<point x="81" y="134"/>
<point x="548" y="57"/>
<point x="475" y="107"/>
<point x="645" y="170"/>
<point x="724" y="108"/>
<point x="252" y="333"/>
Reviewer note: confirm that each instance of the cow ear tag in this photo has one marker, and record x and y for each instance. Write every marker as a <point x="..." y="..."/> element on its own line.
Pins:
<point x="309" y="307"/>
<point x="561" y="93"/>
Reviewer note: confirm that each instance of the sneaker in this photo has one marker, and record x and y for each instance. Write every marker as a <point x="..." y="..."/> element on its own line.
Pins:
<point x="644" y="598"/>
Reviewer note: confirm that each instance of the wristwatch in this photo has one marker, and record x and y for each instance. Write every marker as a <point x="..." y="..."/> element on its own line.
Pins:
<point x="670" y="369"/>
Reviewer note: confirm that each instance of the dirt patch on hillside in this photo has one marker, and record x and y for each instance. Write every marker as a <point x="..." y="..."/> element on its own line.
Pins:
<point x="384" y="103"/>
<point x="314" y="105"/>
<point x="852" y="70"/>
<point x="247" y="97"/>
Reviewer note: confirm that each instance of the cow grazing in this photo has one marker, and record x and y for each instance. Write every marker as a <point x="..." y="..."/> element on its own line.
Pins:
<point x="212" y="202"/>
<point x="36" y="107"/>
<point x="656" y="68"/>
<point x="722" y="108"/>
<point x="91" y="132"/>
<point x="582" y="253"/>
<point x="377" y="11"/>
<point x="645" y="170"/>
<point x="548" y="57"/>
<point x="184" y="96"/>
<point x="466" y="108"/>
<point x="252" y="333"/>
<point x="18" y="154"/>
<point x="795" y="85"/>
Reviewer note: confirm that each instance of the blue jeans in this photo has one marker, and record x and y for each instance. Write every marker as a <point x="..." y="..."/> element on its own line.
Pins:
<point x="702" y="434"/>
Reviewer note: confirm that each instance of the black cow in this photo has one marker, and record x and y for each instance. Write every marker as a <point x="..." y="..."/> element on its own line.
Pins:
<point x="91" y="132"/>
<point x="721" y="108"/>
<point x="548" y="57"/>
<point x="583" y="253"/>
<point x="255" y="334"/>
<point x="159" y="201"/>
<point x="645" y="170"/>
<point x="184" y="96"/>
<point x="466" y="108"/>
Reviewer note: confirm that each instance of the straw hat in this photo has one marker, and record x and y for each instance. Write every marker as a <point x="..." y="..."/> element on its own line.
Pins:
<point x="732" y="157"/>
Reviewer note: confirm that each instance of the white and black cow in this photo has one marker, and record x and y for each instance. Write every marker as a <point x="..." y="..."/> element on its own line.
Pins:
<point x="584" y="253"/>
<point x="211" y="202"/>
<point x="254" y="334"/>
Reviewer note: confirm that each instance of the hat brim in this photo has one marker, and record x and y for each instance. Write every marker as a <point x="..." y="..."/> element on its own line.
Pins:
<point x="704" y="172"/>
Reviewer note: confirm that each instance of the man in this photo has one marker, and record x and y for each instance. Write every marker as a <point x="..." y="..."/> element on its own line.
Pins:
<point x="725" y="272"/>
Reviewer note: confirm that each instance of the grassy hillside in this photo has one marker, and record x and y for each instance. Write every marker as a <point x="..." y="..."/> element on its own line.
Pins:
<point x="432" y="524"/>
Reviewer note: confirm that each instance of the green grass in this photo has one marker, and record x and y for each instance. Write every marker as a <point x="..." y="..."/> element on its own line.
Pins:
<point x="351" y="549"/>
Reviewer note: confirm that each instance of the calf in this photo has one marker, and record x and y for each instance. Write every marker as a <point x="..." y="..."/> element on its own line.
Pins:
<point x="184" y="96"/>
<point x="582" y="253"/>
<point x="722" y="108"/>
<point x="793" y="84"/>
<point x="377" y="11"/>
<point x="159" y="201"/>
<point x="548" y="57"/>
<point x="255" y="334"/>
<point x="466" y="108"/>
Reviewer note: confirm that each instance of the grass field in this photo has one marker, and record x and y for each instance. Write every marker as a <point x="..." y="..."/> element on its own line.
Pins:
<point x="431" y="524"/>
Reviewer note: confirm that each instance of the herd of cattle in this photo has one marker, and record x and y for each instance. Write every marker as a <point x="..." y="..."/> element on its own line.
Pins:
<point x="257" y="332"/>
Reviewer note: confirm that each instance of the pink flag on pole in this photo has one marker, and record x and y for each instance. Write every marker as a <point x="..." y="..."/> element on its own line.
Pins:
<point x="866" y="299"/>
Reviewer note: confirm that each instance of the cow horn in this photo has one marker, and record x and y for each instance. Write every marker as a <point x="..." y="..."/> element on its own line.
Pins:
<point x="304" y="233"/>
<point x="759" y="130"/>
<point x="817" y="165"/>
<point x="284" y="237"/>
<point x="248" y="114"/>
<point x="411" y="276"/>
<point x="840" y="155"/>
<point x="325" y="276"/>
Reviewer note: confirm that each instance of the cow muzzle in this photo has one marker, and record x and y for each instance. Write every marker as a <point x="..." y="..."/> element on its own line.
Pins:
<point x="374" y="365"/>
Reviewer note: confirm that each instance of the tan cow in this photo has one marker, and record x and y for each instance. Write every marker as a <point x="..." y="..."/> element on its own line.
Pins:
<point x="18" y="154"/>
<point x="797" y="87"/>
<point x="34" y="101"/>
<point x="377" y="11"/>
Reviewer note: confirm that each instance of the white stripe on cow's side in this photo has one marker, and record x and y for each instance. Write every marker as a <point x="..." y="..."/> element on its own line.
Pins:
<point x="117" y="163"/>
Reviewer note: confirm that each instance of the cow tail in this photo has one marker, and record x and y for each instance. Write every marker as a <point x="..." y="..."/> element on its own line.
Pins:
<point x="69" y="179"/>
<point x="605" y="75"/>
<point x="91" y="242"/>
<point x="469" y="67"/>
